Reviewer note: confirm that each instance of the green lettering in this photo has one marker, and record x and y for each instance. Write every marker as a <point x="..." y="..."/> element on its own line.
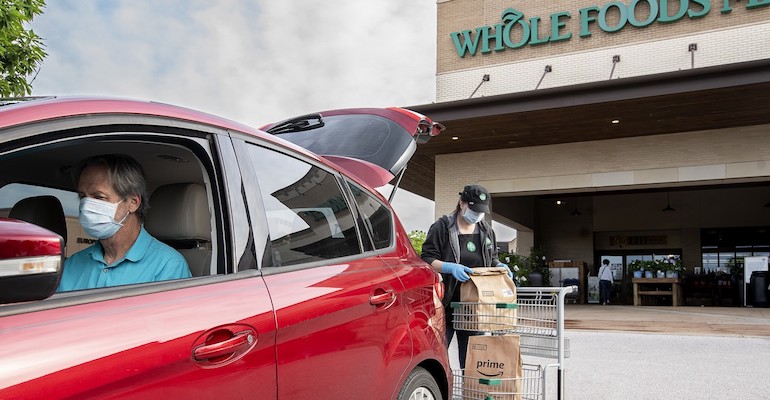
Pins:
<point x="534" y="38"/>
<point x="587" y="16"/>
<point x="666" y="18"/>
<point x="557" y="24"/>
<point x="726" y="7"/>
<point x="623" y="17"/>
<point x="487" y="34"/>
<point x="632" y="13"/>
<point x="611" y="17"/>
<point x="509" y="24"/>
<point x="468" y="45"/>
<point x="757" y="3"/>
<point x="705" y="8"/>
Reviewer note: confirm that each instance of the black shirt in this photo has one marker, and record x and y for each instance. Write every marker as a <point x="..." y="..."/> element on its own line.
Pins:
<point x="470" y="250"/>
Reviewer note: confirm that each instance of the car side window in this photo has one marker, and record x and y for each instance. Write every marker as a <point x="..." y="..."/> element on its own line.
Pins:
<point x="308" y="216"/>
<point x="181" y="212"/>
<point x="376" y="216"/>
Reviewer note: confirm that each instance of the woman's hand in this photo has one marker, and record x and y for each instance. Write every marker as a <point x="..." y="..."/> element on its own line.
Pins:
<point x="510" y="273"/>
<point x="459" y="271"/>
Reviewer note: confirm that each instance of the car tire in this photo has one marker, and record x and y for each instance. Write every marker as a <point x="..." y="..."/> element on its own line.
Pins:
<point x="420" y="385"/>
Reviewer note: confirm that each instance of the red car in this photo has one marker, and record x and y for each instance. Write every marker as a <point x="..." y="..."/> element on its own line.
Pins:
<point x="305" y="285"/>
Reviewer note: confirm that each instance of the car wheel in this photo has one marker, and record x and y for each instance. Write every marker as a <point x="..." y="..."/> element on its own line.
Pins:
<point x="420" y="385"/>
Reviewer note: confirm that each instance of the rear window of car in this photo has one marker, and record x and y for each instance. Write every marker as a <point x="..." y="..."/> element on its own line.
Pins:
<point x="376" y="216"/>
<point x="368" y="137"/>
<point x="308" y="216"/>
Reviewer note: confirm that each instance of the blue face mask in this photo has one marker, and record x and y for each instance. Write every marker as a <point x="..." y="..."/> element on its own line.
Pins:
<point x="472" y="217"/>
<point x="98" y="217"/>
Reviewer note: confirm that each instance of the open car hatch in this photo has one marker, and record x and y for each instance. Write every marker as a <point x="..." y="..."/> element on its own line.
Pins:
<point x="375" y="144"/>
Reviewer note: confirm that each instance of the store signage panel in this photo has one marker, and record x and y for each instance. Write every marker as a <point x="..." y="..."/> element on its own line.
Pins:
<point x="650" y="240"/>
<point x="516" y="30"/>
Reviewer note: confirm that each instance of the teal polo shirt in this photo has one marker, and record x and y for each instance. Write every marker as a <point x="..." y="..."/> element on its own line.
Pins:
<point x="148" y="260"/>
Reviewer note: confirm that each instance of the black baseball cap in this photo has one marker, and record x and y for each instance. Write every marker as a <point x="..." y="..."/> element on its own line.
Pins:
<point x="477" y="198"/>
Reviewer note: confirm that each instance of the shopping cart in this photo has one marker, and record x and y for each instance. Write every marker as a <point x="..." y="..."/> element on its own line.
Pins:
<point x="538" y="318"/>
<point x="525" y="388"/>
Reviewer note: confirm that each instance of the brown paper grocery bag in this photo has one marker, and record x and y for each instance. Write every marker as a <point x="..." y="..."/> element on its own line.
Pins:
<point x="495" y="294"/>
<point x="493" y="367"/>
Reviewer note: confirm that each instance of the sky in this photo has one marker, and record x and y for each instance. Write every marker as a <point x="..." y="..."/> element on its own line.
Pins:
<point x="252" y="61"/>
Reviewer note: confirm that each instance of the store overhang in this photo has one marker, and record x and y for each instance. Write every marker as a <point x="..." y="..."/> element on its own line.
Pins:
<point x="725" y="96"/>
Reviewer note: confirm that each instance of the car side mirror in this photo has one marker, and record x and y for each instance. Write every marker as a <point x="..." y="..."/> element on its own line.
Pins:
<point x="31" y="261"/>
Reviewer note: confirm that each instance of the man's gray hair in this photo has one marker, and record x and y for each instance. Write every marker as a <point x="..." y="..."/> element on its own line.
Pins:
<point x="126" y="176"/>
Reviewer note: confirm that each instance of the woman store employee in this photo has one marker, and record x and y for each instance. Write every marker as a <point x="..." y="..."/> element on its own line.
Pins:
<point x="457" y="242"/>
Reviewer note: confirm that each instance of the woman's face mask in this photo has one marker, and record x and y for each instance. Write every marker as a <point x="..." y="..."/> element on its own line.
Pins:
<point x="98" y="217"/>
<point x="472" y="217"/>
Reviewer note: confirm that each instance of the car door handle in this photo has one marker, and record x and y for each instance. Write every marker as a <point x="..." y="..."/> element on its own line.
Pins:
<point x="382" y="297"/>
<point x="240" y="341"/>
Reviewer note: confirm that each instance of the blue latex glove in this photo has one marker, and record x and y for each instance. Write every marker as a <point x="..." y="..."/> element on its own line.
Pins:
<point x="510" y="273"/>
<point x="459" y="271"/>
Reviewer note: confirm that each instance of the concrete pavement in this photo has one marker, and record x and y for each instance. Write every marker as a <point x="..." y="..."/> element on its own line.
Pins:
<point x="682" y="320"/>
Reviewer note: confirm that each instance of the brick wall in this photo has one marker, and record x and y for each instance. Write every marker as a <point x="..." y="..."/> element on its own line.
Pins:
<point x="721" y="38"/>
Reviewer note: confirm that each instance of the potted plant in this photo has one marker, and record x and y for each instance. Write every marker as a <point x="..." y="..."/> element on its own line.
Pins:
<point x="637" y="267"/>
<point x="536" y="268"/>
<point x="672" y="267"/>
<point x="643" y="267"/>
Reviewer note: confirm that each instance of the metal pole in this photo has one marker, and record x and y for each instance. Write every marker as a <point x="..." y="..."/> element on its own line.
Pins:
<point x="398" y="182"/>
<point x="560" y="339"/>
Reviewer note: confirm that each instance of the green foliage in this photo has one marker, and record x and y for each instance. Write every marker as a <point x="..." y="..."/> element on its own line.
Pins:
<point x="417" y="238"/>
<point x="519" y="265"/>
<point x="673" y="264"/>
<point x="537" y="262"/>
<point x="523" y="266"/>
<point x="641" y="265"/>
<point x="667" y="264"/>
<point x="21" y="50"/>
<point x="735" y="266"/>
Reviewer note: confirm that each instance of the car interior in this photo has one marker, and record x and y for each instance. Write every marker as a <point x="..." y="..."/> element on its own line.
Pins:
<point x="180" y="217"/>
<point x="42" y="190"/>
<point x="45" y="211"/>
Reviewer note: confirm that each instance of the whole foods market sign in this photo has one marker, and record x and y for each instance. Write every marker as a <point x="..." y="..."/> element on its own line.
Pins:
<point x="516" y="31"/>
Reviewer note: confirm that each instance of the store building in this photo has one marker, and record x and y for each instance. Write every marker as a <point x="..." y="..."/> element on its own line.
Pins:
<point x="631" y="129"/>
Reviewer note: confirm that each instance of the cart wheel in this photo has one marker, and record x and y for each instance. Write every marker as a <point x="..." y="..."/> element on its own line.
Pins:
<point x="420" y="385"/>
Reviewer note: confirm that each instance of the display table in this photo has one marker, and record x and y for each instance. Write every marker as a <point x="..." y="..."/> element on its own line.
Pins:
<point x="658" y="287"/>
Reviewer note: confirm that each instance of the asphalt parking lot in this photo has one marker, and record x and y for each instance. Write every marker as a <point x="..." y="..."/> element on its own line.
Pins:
<point x="630" y="353"/>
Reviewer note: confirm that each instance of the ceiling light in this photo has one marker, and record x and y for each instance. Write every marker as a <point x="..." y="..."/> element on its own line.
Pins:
<point x="559" y="202"/>
<point x="615" y="121"/>
<point x="455" y="137"/>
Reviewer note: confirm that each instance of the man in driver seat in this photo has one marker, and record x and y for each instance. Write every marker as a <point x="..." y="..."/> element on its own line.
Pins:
<point x="113" y="207"/>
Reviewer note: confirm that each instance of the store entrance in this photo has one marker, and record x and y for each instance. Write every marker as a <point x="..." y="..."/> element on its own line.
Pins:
<point x="623" y="288"/>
